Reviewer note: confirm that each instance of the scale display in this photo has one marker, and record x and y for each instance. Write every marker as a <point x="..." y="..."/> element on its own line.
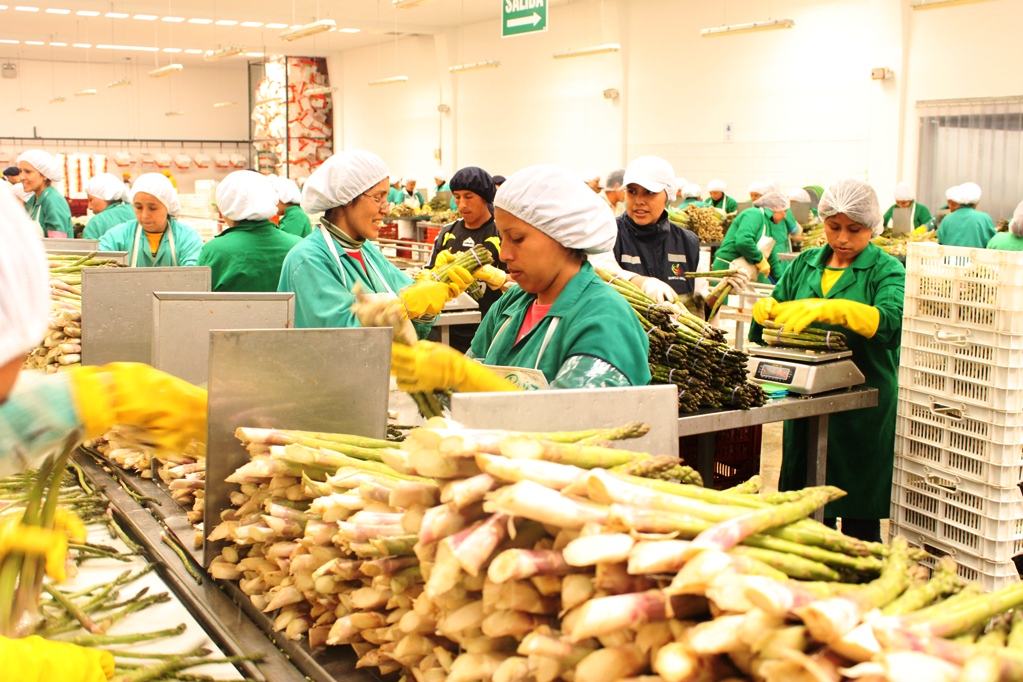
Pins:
<point x="779" y="374"/>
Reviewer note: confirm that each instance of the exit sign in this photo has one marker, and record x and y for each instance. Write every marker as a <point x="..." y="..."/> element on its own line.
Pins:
<point x="523" y="16"/>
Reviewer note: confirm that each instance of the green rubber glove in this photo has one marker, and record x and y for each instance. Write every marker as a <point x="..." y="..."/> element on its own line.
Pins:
<point x="762" y="310"/>
<point x="429" y="366"/>
<point x="857" y="317"/>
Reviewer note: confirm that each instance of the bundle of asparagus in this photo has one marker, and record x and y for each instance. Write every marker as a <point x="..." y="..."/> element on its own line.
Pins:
<point x="62" y="346"/>
<point x="810" y="338"/>
<point x="691" y="354"/>
<point x="703" y="220"/>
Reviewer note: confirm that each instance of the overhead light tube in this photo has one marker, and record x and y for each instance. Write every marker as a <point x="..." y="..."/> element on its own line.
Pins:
<point x="321" y="26"/>
<point x="165" y="70"/>
<point x="120" y="84"/>
<point x="223" y="53"/>
<point x="745" y="28"/>
<point x="86" y="92"/>
<point x="586" y="51"/>
<point x="389" y="81"/>
<point x="931" y="4"/>
<point x="475" y="66"/>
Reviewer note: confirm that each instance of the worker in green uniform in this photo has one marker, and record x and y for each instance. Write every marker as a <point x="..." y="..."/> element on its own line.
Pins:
<point x="108" y="200"/>
<point x="752" y="229"/>
<point x="904" y="198"/>
<point x="965" y="225"/>
<point x="249" y="254"/>
<point x="410" y="196"/>
<point x="154" y="238"/>
<point x="395" y="194"/>
<point x="47" y="208"/>
<point x="691" y="194"/>
<point x="350" y="189"/>
<point x="562" y="326"/>
<point x="849" y="285"/>
<point x="293" y="219"/>
<point x="718" y="199"/>
<point x="1012" y="240"/>
<point x="440" y="180"/>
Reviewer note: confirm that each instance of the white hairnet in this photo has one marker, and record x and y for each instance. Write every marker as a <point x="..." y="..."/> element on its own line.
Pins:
<point x="440" y="174"/>
<point x="406" y="179"/>
<point x="287" y="191"/>
<point x="106" y="186"/>
<point x="395" y="179"/>
<point x="773" y="201"/>
<point x="653" y="174"/>
<point x="551" y="199"/>
<point x="1016" y="224"/>
<point x="680" y="182"/>
<point x="24" y="282"/>
<point x="44" y="162"/>
<point x="756" y="187"/>
<point x="856" y="199"/>
<point x="160" y="187"/>
<point x="903" y="192"/>
<point x="952" y="194"/>
<point x="19" y="191"/>
<point x="692" y="191"/>
<point x="799" y="194"/>
<point x="969" y="193"/>
<point x="716" y="186"/>
<point x="341" y="178"/>
<point x="246" y="195"/>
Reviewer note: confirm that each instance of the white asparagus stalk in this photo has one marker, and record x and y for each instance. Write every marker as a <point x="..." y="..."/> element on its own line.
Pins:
<point x="549" y="474"/>
<point x="719" y="636"/>
<point x="518" y="564"/>
<point x="511" y="624"/>
<point x="475" y="667"/>
<point x="610" y="665"/>
<point x="461" y="493"/>
<point x="534" y="501"/>
<point x="468" y="617"/>
<point x="675" y="662"/>
<point x="576" y="589"/>
<point x="591" y="550"/>
<point x="512" y="669"/>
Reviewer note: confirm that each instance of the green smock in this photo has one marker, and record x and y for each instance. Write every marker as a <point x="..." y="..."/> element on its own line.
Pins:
<point x="688" y="201"/>
<point x="395" y="196"/>
<point x="742" y="237"/>
<point x="248" y="256"/>
<point x="1006" y="241"/>
<point x="323" y="283"/>
<point x="589" y="318"/>
<point x="446" y="188"/>
<point x="51" y="211"/>
<point x="180" y="248"/>
<point x="727" y="204"/>
<point x="921" y="215"/>
<point x="111" y="216"/>
<point x="861" y="443"/>
<point x="295" y="222"/>
<point x="966" y="226"/>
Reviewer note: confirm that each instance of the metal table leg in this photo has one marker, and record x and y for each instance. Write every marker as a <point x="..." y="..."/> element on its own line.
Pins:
<point x="445" y="335"/>
<point x="705" y="458"/>
<point x="740" y="335"/>
<point x="817" y="456"/>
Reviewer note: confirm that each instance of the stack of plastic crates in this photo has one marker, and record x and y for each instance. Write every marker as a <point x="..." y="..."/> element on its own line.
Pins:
<point x="959" y="437"/>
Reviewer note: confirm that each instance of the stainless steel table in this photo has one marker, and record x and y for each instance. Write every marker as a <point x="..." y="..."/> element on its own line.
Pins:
<point x="706" y="423"/>
<point x="447" y="320"/>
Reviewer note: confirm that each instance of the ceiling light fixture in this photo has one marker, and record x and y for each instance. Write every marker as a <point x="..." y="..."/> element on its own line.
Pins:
<point x="119" y="84"/>
<point x="406" y="4"/>
<point x="312" y="29"/>
<point x="165" y="70"/>
<point x="7" y="41"/>
<point x="745" y="28"/>
<point x="226" y="22"/>
<point x="224" y="105"/>
<point x="87" y="13"/>
<point x="389" y="81"/>
<point x="252" y="24"/>
<point x="82" y="45"/>
<point x="34" y="42"/>
<point x="931" y="4"/>
<point x="223" y="53"/>
<point x="58" y="44"/>
<point x="172" y="50"/>
<point x="175" y="113"/>
<point x="86" y="92"/>
<point x="115" y="15"/>
<point x="276" y="26"/>
<point x="172" y="20"/>
<point x="57" y="100"/>
<point x="194" y="51"/>
<point x="255" y="55"/>
<point x="25" y="8"/>
<point x="586" y="51"/>
<point x="200" y="21"/>
<point x="129" y="48"/>
<point x="145" y="17"/>
<point x="319" y="90"/>
<point x="22" y="110"/>
<point x="51" y="10"/>
<point x="474" y="66"/>
<point x="349" y="30"/>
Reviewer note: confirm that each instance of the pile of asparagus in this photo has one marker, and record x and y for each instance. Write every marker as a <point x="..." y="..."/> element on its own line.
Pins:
<point x="691" y="354"/>
<point x="703" y="220"/>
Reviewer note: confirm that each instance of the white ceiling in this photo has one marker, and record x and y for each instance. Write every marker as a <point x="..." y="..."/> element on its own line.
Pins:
<point x="376" y="21"/>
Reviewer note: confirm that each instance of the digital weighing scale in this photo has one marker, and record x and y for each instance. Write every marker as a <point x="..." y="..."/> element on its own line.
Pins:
<point x="806" y="372"/>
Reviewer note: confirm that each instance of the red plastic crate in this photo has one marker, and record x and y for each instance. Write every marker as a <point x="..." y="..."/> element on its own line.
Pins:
<point x="736" y="455"/>
<point x="430" y="233"/>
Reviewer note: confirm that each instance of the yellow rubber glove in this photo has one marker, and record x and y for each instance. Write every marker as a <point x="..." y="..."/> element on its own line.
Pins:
<point x="491" y="276"/>
<point x="429" y="366"/>
<point x="33" y="540"/>
<point x="762" y="310"/>
<point x="34" y="659"/>
<point x="920" y="230"/>
<point x="460" y="280"/>
<point x="444" y="258"/>
<point x="764" y="267"/>
<point x="427" y="297"/>
<point x="857" y="317"/>
<point x="170" y="411"/>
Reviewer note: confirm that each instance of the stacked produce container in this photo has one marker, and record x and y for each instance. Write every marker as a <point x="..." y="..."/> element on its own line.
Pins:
<point x="959" y="443"/>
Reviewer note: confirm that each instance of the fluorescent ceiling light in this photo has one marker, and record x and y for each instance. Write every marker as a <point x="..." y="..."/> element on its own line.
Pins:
<point x="22" y="110"/>
<point x="57" y="100"/>
<point x="224" y="105"/>
<point x="129" y="48"/>
<point x="309" y="29"/>
<point x="405" y="4"/>
<point x="175" y="113"/>
<point x="34" y="42"/>
<point x="930" y="4"/>
<point x="6" y="41"/>
<point x="349" y="30"/>
<point x="58" y="44"/>
<point x="223" y="53"/>
<point x="115" y="15"/>
<point x="255" y="55"/>
<point x="165" y="70"/>
<point x="172" y="20"/>
<point x="226" y="22"/>
<point x="585" y="51"/>
<point x="751" y="26"/>
<point x="275" y="26"/>
<point x="145" y="17"/>
<point x="51" y="10"/>
<point x="194" y="51"/>
<point x="474" y="66"/>
<point x="86" y="92"/>
<point x="389" y="81"/>
<point x="252" y="24"/>
<point x="119" y="84"/>
<point x="83" y="45"/>
<point x="25" y="8"/>
<point x="319" y="90"/>
<point x="200" y="21"/>
<point x="172" y="50"/>
<point x="87" y="13"/>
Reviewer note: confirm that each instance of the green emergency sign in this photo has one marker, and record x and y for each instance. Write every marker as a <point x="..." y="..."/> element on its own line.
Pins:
<point x="523" y="16"/>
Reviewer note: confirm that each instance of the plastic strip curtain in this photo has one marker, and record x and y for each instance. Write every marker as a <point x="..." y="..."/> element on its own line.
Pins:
<point x="972" y="140"/>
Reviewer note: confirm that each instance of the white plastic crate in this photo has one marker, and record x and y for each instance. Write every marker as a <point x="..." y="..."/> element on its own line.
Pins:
<point x="992" y="575"/>
<point x="984" y="521"/>
<point x="976" y="443"/>
<point x="973" y="288"/>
